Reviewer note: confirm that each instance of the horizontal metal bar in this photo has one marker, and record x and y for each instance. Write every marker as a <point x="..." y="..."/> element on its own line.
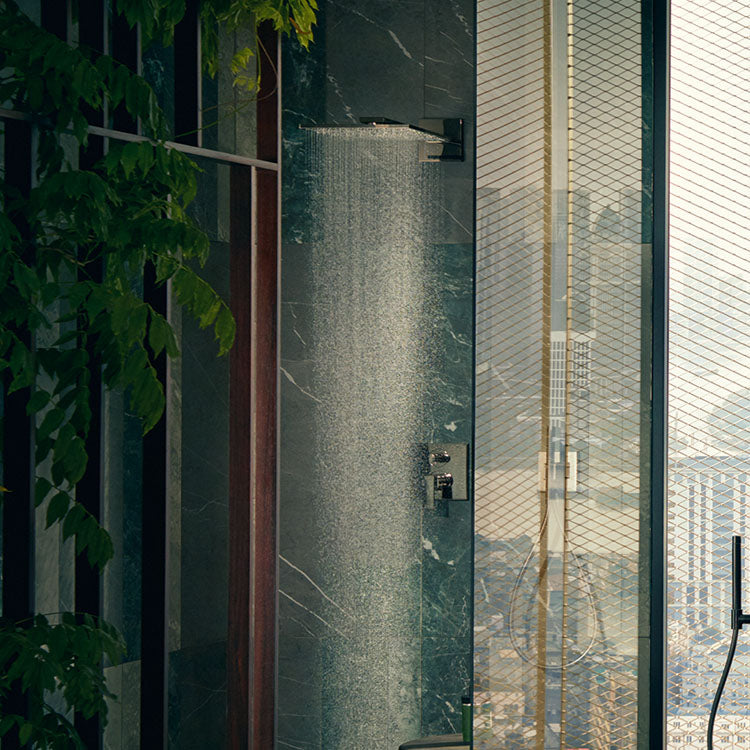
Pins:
<point x="119" y="135"/>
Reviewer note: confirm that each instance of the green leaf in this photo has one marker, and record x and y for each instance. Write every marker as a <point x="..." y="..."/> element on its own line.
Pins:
<point x="43" y="447"/>
<point x="24" y="734"/>
<point x="64" y="440"/>
<point x="52" y="420"/>
<point x="6" y="723"/>
<point x="57" y="641"/>
<point x="57" y="508"/>
<point x="42" y="489"/>
<point x="224" y="329"/>
<point x="75" y="460"/>
<point x="38" y="401"/>
<point x="73" y="521"/>
<point x="158" y="333"/>
<point x="26" y="279"/>
<point x="21" y="365"/>
<point x="145" y="157"/>
<point x="129" y="158"/>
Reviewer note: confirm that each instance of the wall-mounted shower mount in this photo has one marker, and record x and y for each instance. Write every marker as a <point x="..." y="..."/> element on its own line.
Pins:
<point x="439" y="139"/>
<point x="446" y="469"/>
<point x="451" y="149"/>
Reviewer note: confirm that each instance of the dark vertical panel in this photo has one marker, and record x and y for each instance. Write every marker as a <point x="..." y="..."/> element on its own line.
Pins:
<point x="264" y="460"/>
<point x="88" y="491"/>
<point x="187" y="76"/>
<point x="240" y="448"/>
<point x="124" y="48"/>
<point x="268" y="96"/>
<point x="658" y="10"/>
<point x="154" y="557"/>
<point x="55" y="17"/>
<point x="91" y="24"/>
<point x="17" y="446"/>
<point x="91" y="30"/>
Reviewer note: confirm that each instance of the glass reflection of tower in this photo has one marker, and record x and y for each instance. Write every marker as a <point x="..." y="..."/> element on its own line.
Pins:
<point x="603" y="499"/>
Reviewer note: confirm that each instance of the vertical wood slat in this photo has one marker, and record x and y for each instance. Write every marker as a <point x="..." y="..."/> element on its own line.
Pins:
<point x="268" y="95"/>
<point x="187" y="63"/>
<point x="265" y="367"/>
<point x="265" y="373"/>
<point x="54" y="17"/>
<point x="240" y="447"/>
<point x="17" y="459"/>
<point x="154" y="557"/>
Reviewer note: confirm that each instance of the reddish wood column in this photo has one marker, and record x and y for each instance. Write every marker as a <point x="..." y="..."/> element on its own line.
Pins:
<point x="240" y="450"/>
<point x="265" y="368"/>
<point x="265" y="374"/>
<point x="254" y="239"/>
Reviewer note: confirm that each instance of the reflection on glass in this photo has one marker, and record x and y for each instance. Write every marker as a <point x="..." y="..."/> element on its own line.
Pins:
<point x="228" y="107"/>
<point x="197" y="498"/>
<point x="121" y="589"/>
<point x="560" y="461"/>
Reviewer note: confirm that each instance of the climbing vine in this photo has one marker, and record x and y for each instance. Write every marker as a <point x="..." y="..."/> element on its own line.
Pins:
<point x="72" y="255"/>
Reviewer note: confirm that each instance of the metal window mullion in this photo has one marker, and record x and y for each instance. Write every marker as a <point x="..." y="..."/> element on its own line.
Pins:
<point x="659" y="26"/>
<point x="120" y="135"/>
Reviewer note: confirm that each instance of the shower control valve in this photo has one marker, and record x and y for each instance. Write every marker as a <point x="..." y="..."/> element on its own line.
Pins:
<point x="439" y="457"/>
<point x="445" y="467"/>
<point x="443" y="486"/>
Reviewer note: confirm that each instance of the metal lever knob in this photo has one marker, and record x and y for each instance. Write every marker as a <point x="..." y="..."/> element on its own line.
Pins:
<point x="443" y="486"/>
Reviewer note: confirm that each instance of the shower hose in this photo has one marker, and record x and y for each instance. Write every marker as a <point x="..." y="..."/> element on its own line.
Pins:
<point x="739" y="618"/>
<point x="722" y="682"/>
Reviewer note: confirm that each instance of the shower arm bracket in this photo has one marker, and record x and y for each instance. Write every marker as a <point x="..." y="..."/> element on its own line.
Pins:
<point x="443" y="150"/>
<point x="739" y="618"/>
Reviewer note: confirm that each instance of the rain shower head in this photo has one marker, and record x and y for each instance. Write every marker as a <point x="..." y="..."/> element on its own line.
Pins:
<point x="439" y="140"/>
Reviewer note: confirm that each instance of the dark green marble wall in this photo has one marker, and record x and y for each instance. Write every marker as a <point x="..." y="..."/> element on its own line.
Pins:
<point x="402" y="59"/>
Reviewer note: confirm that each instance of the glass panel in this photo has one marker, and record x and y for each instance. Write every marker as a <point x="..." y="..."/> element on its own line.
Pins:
<point x="228" y="109"/>
<point x="122" y="481"/>
<point x="607" y="493"/>
<point x="561" y="466"/>
<point x="510" y="427"/>
<point x="157" y="65"/>
<point x="709" y="396"/>
<point x="197" y="490"/>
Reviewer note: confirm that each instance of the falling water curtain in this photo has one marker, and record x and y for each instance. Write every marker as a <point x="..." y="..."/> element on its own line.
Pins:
<point x="567" y="516"/>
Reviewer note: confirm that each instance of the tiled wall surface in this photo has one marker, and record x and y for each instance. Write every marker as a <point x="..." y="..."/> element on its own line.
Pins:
<point x="404" y="61"/>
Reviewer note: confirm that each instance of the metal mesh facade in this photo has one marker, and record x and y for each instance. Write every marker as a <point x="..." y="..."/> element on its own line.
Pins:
<point x="709" y="374"/>
<point x="561" y="494"/>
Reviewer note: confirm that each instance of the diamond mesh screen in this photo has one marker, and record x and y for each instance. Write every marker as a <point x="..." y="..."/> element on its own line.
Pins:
<point x="511" y="248"/>
<point x="561" y="501"/>
<point x="709" y="365"/>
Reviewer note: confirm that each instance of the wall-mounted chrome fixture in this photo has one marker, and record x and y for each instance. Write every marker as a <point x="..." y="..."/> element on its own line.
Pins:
<point x="446" y="466"/>
<point x="439" y="139"/>
<point x="450" y="149"/>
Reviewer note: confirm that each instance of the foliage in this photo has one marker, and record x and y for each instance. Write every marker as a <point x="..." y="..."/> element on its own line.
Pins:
<point x="72" y="258"/>
<point x="63" y="657"/>
<point x="287" y="16"/>
<point x="158" y="18"/>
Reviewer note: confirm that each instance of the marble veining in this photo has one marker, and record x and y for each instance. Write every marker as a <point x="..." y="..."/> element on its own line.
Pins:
<point x="375" y="591"/>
